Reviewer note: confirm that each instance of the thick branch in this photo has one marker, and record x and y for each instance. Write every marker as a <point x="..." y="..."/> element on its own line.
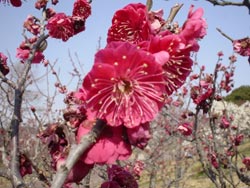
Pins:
<point x="16" y="118"/>
<point x="76" y="152"/>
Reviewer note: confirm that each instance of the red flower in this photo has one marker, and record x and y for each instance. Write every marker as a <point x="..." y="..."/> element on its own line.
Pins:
<point x="31" y="25"/>
<point x="75" y="113"/>
<point x="55" y="138"/>
<point x="224" y="124"/>
<point x="125" y="86"/>
<point x="246" y="162"/>
<point x="60" y="26"/>
<point x="130" y="24"/>
<point x="41" y="4"/>
<point x="25" y="165"/>
<point x="242" y="46"/>
<point x="212" y="158"/>
<point x="23" y="52"/>
<point x="118" y="178"/>
<point x="195" y="26"/>
<point x="156" y="21"/>
<point x="3" y="64"/>
<point x="139" y="136"/>
<point x="108" y="148"/>
<point x="185" y="129"/>
<point x="81" y="9"/>
<point x="14" y="3"/>
<point x="24" y="55"/>
<point x="177" y="64"/>
<point x="237" y="140"/>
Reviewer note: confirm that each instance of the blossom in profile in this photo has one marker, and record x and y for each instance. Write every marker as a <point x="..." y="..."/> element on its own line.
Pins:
<point x="139" y="136"/>
<point x="53" y="136"/>
<point x="224" y="124"/>
<point x="156" y="21"/>
<point x="41" y="4"/>
<point x="108" y="148"/>
<point x="14" y="3"/>
<point x="60" y="26"/>
<point x="75" y="113"/>
<point x="195" y="26"/>
<point x="242" y="46"/>
<point x="185" y="129"/>
<point x="25" y="165"/>
<point x="173" y="55"/>
<point x="212" y="158"/>
<point x="3" y="64"/>
<point x="118" y="178"/>
<point x="130" y="24"/>
<point x="23" y="51"/>
<point x="31" y="25"/>
<point x="81" y="9"/>
<point x="125" y="86"/>
<point x="246" y="162"/>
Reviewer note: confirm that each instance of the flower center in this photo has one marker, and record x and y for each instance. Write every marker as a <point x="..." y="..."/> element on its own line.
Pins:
<point x="124" y="86"/>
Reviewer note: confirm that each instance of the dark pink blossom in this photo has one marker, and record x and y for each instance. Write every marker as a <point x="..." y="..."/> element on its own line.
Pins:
<point x="246" y="162"/>
<point x="3" y="64"/>
<point x="14" y="3"/>
<point x="25" y="165"/>
<point x="130" y="24"/>
<point x="237" y="140"/>
<point x="156" y="21"/>
<point x="78" y="24"/>
<point x="75" y="113"/>
<point x="53" y="136"/>
<point x="60" y="26"/>
<point x="185" y="129"/>
<point x="224" y="124"/>
<point x="23" y="54"/>
<point x="50" y="12"/>
<point x="31" y="25"/>
<point x="108" y="148"/>
<point x="174" y="55"/>
<point x="139" y="136"/>
<point x="41" y="4"/>
<point x="81" y="9"/>
<point x="195" y="26"/>
<point x="125" y="86"/>
<point x="242" y="46"/>
<point x="119" y="178"/>
<point x="212" y="158"/>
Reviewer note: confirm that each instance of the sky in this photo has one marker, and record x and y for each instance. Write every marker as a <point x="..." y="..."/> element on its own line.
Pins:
<point x="234" y="21"/>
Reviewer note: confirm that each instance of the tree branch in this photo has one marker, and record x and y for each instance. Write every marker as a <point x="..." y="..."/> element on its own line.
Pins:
<point x="16" y="118"/>
<point x="245" y="3"/>
<point x="75" y="153"/>
<point x="174" y="10"/>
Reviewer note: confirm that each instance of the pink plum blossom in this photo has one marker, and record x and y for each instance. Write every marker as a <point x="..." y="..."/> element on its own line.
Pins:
<point x="125" y="86"/>
<point x="130" y="24"/>
<point x="3" y="64"/>
<point x="60" y="26"/>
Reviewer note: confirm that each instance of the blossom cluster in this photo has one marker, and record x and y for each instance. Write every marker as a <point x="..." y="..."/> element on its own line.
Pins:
<point x="142" y="64"/>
